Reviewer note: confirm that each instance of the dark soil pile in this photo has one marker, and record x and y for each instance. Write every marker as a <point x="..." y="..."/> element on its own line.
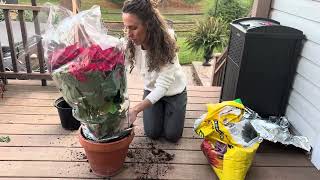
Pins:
<point x="150" y="163"/>
<point x="79" y="155"/>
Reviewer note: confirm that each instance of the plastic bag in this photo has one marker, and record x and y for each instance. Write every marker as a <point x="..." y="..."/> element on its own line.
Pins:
<point x="228" y="162"/>
<point x="230" y="141"/>
<point x="87" y="66"/>
<point x="277" y="130"/>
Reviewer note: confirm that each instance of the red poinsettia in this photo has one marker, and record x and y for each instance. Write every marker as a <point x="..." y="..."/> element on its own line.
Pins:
<point x="62" y="56"/>
<point x="95" y="59"/>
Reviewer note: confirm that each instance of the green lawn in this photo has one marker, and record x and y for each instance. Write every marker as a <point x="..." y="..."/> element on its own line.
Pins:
<point x="206" y="5"/>
<point x="186" y="56"/>
<point x="39" y="1"/>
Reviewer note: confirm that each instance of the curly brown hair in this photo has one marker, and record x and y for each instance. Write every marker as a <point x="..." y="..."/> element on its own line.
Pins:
<point x="162" y="47"/>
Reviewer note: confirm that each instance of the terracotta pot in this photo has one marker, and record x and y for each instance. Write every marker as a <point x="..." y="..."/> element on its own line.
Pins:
<point x="106" y="159"/>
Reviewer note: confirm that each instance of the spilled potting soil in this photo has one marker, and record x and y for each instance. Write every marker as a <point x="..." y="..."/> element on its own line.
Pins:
<point x="79" y="155"/>
<point x="150" y="163"/>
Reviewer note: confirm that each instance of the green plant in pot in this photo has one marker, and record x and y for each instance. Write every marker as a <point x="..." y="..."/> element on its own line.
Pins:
<point x="88" y="67"/>
<point x="208" y="34"/>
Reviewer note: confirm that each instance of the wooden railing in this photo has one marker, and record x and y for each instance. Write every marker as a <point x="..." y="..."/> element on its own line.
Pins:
<point x="115" y="27"/>
<point x="29" y="74"/>
<point x="42" y="75"/>
<point x="182" y="26"/>
<point x="219" y="69"/>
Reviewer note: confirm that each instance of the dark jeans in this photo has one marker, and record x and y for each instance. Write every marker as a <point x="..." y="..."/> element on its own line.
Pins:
<point x="166" y="117"/>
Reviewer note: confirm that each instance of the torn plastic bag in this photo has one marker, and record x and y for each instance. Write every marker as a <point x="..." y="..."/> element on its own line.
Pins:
<point x="277" y="130"/>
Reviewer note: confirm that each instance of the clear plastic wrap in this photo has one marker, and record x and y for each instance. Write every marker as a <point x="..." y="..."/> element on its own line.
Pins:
<point x="88" y="68"/>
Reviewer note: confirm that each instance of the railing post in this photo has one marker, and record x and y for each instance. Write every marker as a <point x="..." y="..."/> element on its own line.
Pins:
<point x="24" y="39"/>
<point x="1" y="59"/>
<point x="73" y="5"/>
<point x="1" y="65"/>
<point x="10" y="39"/>
<point x="39" y="44"/>
<point x="261" y="8"/>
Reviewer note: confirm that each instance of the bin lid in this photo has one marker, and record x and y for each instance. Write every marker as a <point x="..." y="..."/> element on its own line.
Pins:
<point x="268" y="27"/>
<point x="254" y="22"/>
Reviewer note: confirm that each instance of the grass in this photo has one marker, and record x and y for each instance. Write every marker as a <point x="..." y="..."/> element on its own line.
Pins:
<point x="38" y="1"/>
<point x="206" y="5"/>
<point x="186" y="56"/>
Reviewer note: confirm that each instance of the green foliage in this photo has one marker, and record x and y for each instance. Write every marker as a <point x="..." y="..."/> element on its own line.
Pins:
<point x="39" y="1"/>
<point x="186" y="56"/>
<point x="228" y="10"/>
<point x="28" y="16"/>
<point x="205" y="5"/>
<point x="1" y="15"/>
<point x="209" y="34"/>
<point x="120" y="2"/>
<point x="191" y="1"/>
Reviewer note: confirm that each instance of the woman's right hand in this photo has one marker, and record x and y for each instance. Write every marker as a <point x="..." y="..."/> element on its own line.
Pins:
<point x="132" y="115"/>
<point x="133" y="112"/>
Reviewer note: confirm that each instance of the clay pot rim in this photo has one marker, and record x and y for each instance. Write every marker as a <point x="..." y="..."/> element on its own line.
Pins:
<point x="103" y="143"/>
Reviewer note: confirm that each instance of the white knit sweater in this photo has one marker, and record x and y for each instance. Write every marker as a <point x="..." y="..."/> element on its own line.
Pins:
<point x="169" y="81"/>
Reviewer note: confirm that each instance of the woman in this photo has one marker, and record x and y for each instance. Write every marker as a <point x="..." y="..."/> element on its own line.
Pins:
<point x="151" y="46"/>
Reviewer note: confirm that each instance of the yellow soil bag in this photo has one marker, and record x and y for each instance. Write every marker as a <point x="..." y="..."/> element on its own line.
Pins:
<point x="230" y="141"/>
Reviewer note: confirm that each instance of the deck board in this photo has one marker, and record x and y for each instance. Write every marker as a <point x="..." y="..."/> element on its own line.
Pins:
<point x="134" y="97"/>
<point x="41" y="149"/>
<point x="76" y="154"/>
<point x="28" y="110"/>
<point x="81" y="169"/>
<point x="43" y="119"/>
<point x="50" y="102"/>
<point x="29" y="129"/>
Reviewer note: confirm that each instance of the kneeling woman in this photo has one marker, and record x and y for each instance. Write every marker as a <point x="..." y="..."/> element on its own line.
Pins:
<point x="151" y="47"/>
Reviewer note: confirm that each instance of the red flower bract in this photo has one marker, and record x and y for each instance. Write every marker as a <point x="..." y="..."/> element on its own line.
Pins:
<point x="63" y="56"/>
<point x="82" y="60"/>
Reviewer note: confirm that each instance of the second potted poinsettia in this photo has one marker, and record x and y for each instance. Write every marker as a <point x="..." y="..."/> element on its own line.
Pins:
<point x="89" y="71"/>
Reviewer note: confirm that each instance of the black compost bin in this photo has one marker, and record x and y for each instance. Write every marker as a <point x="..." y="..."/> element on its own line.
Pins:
<point x="65" y="113"/>
<point x="261" y="63"/>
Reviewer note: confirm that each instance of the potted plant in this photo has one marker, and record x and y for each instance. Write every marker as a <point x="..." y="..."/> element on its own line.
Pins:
<point x="88" y="67"/>
<point x="67" y="120"/>
<point x="208" y="34"/>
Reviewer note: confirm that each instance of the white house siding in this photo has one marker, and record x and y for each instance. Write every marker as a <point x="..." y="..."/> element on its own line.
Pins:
<point x="303" y="110"/>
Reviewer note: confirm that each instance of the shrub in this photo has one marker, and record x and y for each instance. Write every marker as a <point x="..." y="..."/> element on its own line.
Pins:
<point x="191" y="1"/>
<point x="186" y="56"/>
<point x="119" y="2"/>
<point x="228" y="10"/>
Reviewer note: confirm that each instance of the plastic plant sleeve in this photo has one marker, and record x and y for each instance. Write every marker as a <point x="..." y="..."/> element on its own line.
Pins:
<point x="88" y="67"/>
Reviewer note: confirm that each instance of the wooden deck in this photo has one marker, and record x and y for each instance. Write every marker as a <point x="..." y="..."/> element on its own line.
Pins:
<point x="40" y="148"/>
